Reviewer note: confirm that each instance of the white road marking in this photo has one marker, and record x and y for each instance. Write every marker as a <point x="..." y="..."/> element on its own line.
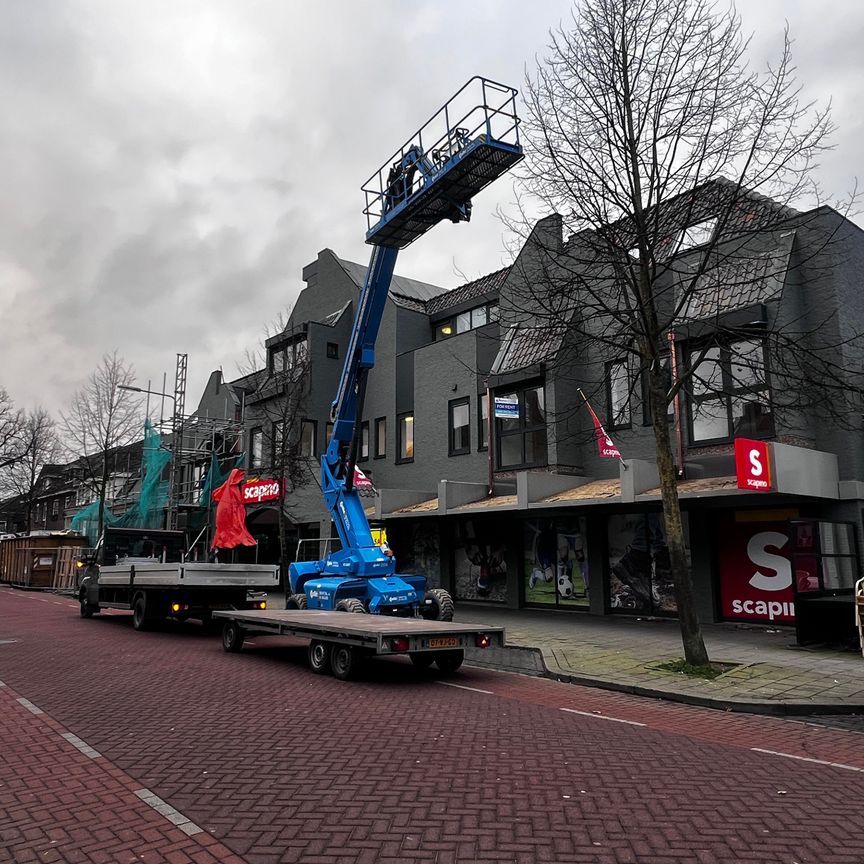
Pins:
<point x="83" y="746"/>
<point x="187" y="826"/>
<point x="463" y="687"/>
<point x="602" y="717"/>
<point x="809" y="759"/>
<point x="26" y="703"/>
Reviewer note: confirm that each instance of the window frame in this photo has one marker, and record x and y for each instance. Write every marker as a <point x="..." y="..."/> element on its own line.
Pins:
<point x="256" y="437"/>
<point x="380" y="451"/>
<point x="611" y="423"/>
<point x="482" y="422"/>
<point x="332" y="350"/>
<point x="364" y="442"/>
<point x="305" y="423"/>
<point x="400" y="418"/>
<point x="523" y="429"/>
<point x="451" y="429"/>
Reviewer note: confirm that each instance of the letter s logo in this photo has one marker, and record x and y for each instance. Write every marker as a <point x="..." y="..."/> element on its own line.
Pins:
<point x="756" y="468"/>
<point x="758" y="553"/>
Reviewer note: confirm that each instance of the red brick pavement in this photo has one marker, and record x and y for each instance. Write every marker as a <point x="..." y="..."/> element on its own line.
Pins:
<point x="285" y="766"/>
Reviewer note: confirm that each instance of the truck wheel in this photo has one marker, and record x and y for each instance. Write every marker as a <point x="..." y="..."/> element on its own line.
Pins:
<point x="441" y="606"/>
<point x="140" y="620"/>
<point x="351" y="604"/>
<point x="297" y="601"/>
<point x="345" y="661"/>
<point x="422" y="659"/>
<point x="320" y="656"/>
<point x="449" y="661"/>
<point x="86" y="609"/>
<point x="232" y="637"/>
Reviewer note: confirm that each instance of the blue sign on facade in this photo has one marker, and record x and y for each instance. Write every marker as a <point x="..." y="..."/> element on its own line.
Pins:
<point x="506" y="408"/>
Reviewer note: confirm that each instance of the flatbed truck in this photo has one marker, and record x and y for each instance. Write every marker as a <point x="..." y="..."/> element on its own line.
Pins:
<point x="339" y="642"/>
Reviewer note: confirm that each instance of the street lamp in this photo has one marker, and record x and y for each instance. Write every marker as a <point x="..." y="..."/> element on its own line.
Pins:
<point x="150" y="393"/>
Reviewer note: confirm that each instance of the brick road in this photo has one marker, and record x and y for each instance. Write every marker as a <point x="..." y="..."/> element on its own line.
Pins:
<point x="275" y="764"/>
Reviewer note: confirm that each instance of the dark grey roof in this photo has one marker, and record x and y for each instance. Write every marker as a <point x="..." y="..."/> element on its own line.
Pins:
<point x="482" y="287"/>
<point x="406" y="292"/>
<point x="526" y="346"/>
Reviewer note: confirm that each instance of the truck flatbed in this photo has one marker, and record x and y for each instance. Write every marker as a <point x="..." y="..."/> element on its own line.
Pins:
<point x="252" y="577"/>
<point x="339" y="640"/>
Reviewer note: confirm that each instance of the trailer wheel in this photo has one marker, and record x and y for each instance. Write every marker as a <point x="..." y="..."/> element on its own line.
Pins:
<point x="449" y="661"/>
<point x="351" y="604"/>
<point x="320" y="656"/>
<point x="86" y="609"/>
<point x="344" y="661"/>
<point x="297" y="601"/>
<point x="441" y="606"/>
<point x="422" y="659"/>
<point x="140" y="619"/>
<point x="232" y="637"/>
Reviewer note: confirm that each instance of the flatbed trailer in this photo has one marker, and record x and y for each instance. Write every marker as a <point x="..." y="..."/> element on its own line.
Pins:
<point x="340" y="641"/>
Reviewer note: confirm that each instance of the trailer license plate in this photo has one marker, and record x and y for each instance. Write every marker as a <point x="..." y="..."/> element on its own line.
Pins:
<point x="448" y="642"/>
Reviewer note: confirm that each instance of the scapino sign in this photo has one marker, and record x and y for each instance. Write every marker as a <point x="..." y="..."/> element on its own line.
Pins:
<point x="753" y="465"/>
<point x="257" y="490"/>
<point x="756" y="572"/>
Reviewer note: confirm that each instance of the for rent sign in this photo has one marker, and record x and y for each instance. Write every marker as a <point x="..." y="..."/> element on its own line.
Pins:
<point x="257" y="490"/>
<point x="753" y="465"/>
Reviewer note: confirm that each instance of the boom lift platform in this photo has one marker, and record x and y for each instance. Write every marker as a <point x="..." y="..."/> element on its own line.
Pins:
<point x="471" y="141"/>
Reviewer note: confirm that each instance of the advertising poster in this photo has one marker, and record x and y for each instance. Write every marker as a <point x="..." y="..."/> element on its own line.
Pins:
<point x="756" y="572"/>
<point x="479" y="563"/>
<point x="556" y="563"/>
<point x="640" y="573"/>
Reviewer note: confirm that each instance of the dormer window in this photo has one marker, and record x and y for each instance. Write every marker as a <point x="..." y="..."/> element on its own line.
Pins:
<point x="697" y="235"/>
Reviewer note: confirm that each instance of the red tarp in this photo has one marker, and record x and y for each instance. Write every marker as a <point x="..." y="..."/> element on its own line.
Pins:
<point x="231" y="514"/>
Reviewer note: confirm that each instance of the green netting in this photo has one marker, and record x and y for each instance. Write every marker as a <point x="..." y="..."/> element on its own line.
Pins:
<point x="86" y="522"/>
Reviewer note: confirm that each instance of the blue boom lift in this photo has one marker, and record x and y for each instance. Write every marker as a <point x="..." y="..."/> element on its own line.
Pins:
<point x="470" y="142"/>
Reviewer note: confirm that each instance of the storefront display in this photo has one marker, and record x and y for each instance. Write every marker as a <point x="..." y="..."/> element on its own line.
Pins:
<point x="556" y="565"/>
<point x="479" y="564"/>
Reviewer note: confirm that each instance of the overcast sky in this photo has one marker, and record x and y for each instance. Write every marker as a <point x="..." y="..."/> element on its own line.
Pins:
<point x="169" y="167"/>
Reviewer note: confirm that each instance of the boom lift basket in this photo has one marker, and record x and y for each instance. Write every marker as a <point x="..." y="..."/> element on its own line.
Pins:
<point x="462" y="148"/>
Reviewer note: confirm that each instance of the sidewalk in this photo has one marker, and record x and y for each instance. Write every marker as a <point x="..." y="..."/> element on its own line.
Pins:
<point x="770" y="674"/>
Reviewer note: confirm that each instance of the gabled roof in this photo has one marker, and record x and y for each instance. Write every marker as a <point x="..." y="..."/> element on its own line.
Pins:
<point x="406" y="292"/>
<point x="482" y="287"/>
<point x="523" y="346"/>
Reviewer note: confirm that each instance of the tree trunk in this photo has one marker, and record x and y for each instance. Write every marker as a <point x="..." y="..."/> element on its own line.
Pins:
<point x="695" y="652"/>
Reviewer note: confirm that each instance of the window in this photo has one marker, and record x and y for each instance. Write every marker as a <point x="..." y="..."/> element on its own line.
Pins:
<point x="332" y="350"/>
<point x="308" y="429"/>
<point x="256" y="448"/>
<point x="618" y="394"/>
<point x="288" y="357"/>
<point x="380" y="437"/>
<point x="482" y="421"/>
<point x="666" y="365"/>
<point x="522" y="440"/>
<point x="443" y="330"/>
<point x="697" y="235"/>
<point x="363" y="451"/>
<point x="405" y="432"/>
<point x="278" y="439"/>
<point x="493" y="312"/>
<point x="463" y="322"/>
<point x="459" y="427"/>
<point x="730" y="394"/>
<point x="55" y="508"/>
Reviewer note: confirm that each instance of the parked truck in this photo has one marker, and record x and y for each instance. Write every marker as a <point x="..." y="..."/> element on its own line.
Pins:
<point x="144" y="570"/>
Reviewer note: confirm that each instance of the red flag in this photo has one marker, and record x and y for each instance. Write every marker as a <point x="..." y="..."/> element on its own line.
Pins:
<point x="231" y="514"/>
<point x="605" y="445"/>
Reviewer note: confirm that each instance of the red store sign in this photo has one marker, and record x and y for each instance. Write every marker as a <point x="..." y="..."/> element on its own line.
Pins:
<point x="753" y="465"/>
<point x="756" y="571"/>
<point x="256" y="491"/>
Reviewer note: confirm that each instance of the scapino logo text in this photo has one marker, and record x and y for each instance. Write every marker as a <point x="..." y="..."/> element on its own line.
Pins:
<point x="769" y="609"/>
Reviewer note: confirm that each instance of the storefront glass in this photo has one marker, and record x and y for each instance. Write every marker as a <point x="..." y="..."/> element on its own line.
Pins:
<point x="556" y="562"/>
<point x="479" y="564"/>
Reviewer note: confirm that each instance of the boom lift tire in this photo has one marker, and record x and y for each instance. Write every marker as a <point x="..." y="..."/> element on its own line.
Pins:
<point x="320" y="656"/>
<point x="351" y="604"/>
<point x="141" y="619"/>
<point x="232" y="637"/>
<point x="345" y="661"/>
<point x="449" y="661"/>
<point x="441" y="607"/>
<point x="297" y="601"/>
<point x="422" y="659"/>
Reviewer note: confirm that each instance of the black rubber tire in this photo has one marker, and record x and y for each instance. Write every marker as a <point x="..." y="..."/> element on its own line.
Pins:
<point x="351" y="604"/>
<point x="232" y="637"/>
<point x="449" y="661"/>
<point x="86" y="609"/>
<point x="297" y="601"/>
<point x="320" y="657"/>
<point x="344" y="662"/>
<point x="442" y="606"/>
<point x="422" y="659"/>
<point x="140" y="619"/>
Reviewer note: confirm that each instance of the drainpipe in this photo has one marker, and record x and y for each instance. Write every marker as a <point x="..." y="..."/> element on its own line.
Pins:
<point x="676" y="402"/>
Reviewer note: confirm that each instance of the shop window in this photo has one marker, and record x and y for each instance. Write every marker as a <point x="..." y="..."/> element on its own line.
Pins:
<point x="479" y="562"/>
<point x="730" y="395"/>
<point x="405" y="435"/>
<point x="332" y="351"/>
<point x="483" y="421"/>
<point x="521" y="436"/>
<point x="618" y="394"/>
<point x="824" y="556"/>
<point x="308" y="429"/>
<point x="380" y="437"/>
<point x="459" y="427"/>
<point x="256" y="449"/>
<point x="556" y="562"/>
<point x="363" y="449"/>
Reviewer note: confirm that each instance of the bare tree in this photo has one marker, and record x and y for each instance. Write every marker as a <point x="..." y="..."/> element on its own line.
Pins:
<point x="40" y="447"/>
<point x="666" y="159"/>
<point x="11" y="423"/>
<point x="101" y="417"/>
